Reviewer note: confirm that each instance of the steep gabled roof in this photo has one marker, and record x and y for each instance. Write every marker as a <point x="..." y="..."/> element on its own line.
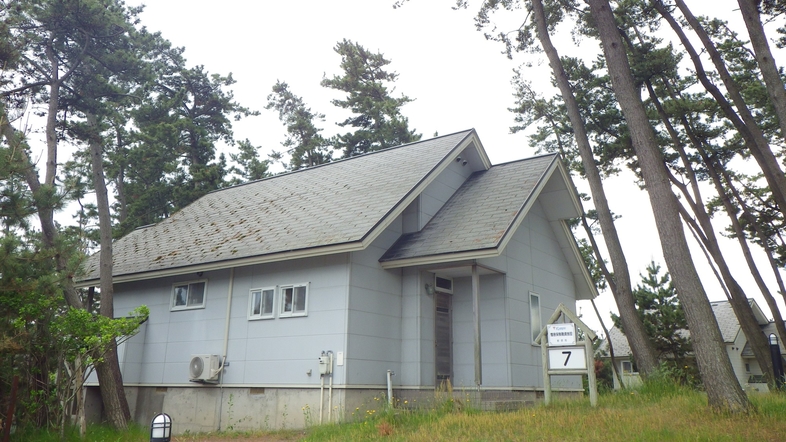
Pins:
<point x="481" y="217"/>
<point x="478" y="216"/>
<point x="335" y="207"/>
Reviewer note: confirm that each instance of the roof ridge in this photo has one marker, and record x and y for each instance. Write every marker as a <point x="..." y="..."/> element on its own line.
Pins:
<point x="537" y="157"/>
<point x="338" y="161"/>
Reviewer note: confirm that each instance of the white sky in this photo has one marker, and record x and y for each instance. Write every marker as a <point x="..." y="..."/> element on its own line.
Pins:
<point x="459" y="80"/>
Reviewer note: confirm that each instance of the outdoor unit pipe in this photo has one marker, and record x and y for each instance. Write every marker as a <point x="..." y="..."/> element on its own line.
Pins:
<point x="390" y="387"/>
<point x="321" y="395"/>
<point x="226" y="346"/>
<point x="330" y="390"/>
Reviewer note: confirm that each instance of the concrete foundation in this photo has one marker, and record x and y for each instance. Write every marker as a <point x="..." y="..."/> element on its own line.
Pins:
<point x="210" y="408"/>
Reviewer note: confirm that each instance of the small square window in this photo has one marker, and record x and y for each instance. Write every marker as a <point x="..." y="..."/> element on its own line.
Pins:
<point x="293" y="300"/>
<point x="188" y="295"/>
<point x="260" y="303"/>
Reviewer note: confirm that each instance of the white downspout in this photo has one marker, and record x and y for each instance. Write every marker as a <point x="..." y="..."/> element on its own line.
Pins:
<point x="226" y="346"/>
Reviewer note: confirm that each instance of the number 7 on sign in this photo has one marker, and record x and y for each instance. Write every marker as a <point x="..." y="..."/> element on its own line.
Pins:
<point x="567" y="358"/>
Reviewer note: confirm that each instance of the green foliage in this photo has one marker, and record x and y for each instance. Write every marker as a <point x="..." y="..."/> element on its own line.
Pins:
<point x="134" y="433"/>
<point x="304" y="145"/>
<point x="669" y="381"/>
<point x="251" y="167"/>
<point x="377" y="119"/>
<point x="664" y="320"/>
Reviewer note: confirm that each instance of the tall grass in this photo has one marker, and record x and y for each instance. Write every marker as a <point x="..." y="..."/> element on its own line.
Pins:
<point x="656" y="412"/>
<point x="134" y="433"/>
<point x="659" y="411"/>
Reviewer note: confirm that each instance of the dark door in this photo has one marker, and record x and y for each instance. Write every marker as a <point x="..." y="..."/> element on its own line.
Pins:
<point x="443" y="338"/>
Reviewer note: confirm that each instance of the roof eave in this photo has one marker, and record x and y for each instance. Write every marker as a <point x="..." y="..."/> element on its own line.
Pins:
<point x="441" y="258"/>
<point x="220" y="265"/>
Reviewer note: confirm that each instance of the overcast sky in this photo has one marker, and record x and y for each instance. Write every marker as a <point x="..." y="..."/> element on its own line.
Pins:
<point x="457" y="78"/>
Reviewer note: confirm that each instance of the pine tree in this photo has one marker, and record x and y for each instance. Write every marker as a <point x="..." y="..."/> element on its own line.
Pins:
<point x="305" y="146"/>
<point x="376" y="119"/>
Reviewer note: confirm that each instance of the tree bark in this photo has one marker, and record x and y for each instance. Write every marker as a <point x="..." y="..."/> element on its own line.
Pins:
<point x="109" y="377"/>
<point x="640" y="344"/>
<point x="723" y="389"/>
<point x="739" y="301"/>
<point x="765" y="60"/>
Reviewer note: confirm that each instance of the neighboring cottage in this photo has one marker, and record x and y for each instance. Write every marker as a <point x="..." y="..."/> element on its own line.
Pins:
<point x="415" y="265"/>
<point x="740" y="354"/>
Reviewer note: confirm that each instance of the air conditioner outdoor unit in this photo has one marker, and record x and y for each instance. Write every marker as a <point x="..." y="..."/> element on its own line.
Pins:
<point x="203" y="368"/>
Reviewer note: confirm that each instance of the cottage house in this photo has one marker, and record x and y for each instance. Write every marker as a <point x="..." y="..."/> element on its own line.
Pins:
<point x="743" y="361"/>
<point x="299" y="297"/>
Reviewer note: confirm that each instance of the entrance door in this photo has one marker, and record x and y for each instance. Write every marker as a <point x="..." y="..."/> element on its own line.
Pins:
<point x="443" y="338"/>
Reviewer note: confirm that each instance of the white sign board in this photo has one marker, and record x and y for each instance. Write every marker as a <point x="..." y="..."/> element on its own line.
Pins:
<point x="561" y="334"/>
<point x="567" y="358"/>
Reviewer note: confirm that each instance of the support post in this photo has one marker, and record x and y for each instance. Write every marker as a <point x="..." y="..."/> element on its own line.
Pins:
<point x="476" y="320"/>
<point x="593" y="383"/>
<point x="544" y="355"/>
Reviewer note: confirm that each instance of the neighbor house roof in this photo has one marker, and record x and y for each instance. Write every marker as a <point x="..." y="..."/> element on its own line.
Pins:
<point x="339" y="206"/>
<point x="724" y="314"/>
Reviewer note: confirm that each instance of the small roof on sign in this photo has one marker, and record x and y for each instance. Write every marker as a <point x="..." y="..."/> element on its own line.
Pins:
<point x="562" y="310"/>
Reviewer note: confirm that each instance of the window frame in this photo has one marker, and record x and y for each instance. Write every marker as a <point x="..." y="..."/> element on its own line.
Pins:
<point x="173" y="307"/>
<point x="282" y="303"/>
<point x="632" y="370"/>
<point x="535" y="332"/>
<point x="261" y="315"/>
<point x="443" y="289"/>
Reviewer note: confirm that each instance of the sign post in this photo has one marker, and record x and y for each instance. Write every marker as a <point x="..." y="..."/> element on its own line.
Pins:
<point x="564" y="354"/>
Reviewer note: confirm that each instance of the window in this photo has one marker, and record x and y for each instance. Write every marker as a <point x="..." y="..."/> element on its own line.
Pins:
<point x="443" y="284"/>
<point x="260" y="303"/>
<point x="188" y="295"/>
<point x="534" y="315"/>
<point x="628" y="367"/>
<point x="293" y="300"/>
<point x="747" y="368"/>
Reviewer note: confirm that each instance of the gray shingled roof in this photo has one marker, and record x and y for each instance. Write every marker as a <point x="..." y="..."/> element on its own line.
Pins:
<point x="724" y="314"/>
<point x="332" y="204"/>
<point x="479" y="214"/>
<point x="727" y="320"/>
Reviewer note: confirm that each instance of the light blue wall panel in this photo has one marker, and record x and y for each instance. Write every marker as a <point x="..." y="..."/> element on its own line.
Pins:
<point x="493" y="332"/>
<point x="441" y="189"/>
<point x="374" y="321"/>
<point x="535" y="263"/>
<point x="293" y="343"/>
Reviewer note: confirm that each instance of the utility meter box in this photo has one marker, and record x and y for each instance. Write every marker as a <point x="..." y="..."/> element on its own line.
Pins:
<point x="324" y="364"/>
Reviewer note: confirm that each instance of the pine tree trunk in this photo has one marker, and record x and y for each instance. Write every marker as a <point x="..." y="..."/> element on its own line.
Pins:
<point x="723" y="389"/>
<point x="739" y="301"/>
<point x="769" y="71"/>
<point x="640" y="344"/>
<point x="109" y="376"/>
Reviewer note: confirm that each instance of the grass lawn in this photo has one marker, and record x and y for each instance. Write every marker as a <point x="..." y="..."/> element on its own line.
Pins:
<point x="667" y="414"/>
<point x="682" y="416"/>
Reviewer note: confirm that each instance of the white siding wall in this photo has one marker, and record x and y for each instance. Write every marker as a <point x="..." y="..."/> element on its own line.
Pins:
<point x="276" y="351"/>
<point x="441" y="189"/>
<point x="493" y="333"/>
<point x="533" y="262"/>
<point x="374" y="322"/>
